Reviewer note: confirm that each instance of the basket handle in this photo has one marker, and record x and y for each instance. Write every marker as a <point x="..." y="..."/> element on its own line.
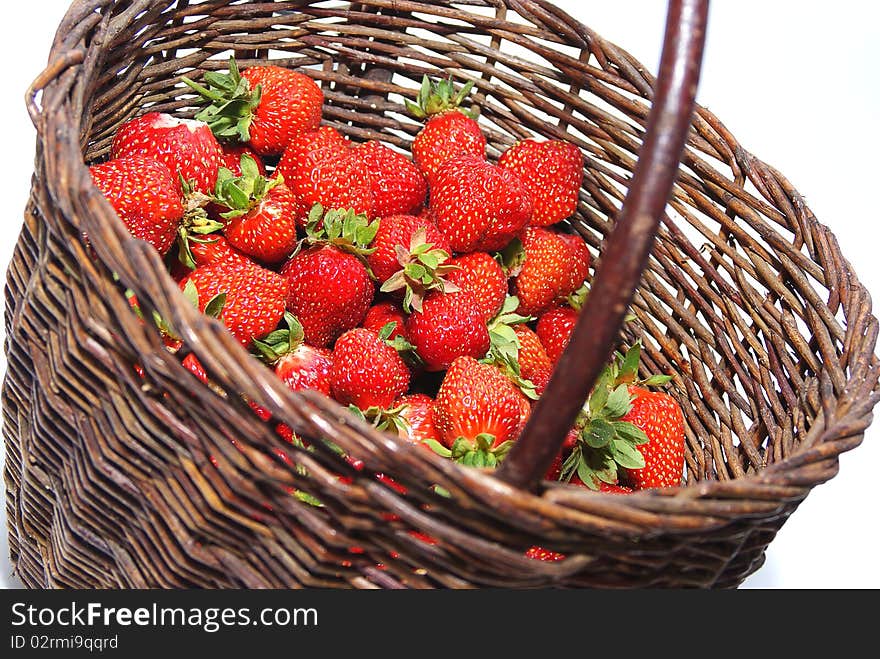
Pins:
<point x="626" y="253"/>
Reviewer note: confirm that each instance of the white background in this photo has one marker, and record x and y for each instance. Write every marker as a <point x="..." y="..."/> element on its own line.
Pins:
<point x="795" y="81"/>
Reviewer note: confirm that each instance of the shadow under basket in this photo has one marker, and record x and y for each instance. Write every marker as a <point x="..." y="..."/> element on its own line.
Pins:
<point x="116" y="480"/>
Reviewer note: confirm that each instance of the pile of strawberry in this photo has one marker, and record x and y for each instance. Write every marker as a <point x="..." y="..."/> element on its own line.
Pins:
<point x="432" y="295"/>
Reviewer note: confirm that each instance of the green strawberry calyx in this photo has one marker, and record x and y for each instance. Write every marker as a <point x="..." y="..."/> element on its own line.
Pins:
<point x="344" y="229"/>
<point x="229" y="103"/>
<point x="241" y="194"/>
<point x="605" y="442"/>
<point x="577" y="299"/>
<point x="280" y="342"/>
<point x="477" y="453"/>
<point x="423" y="270"/>
<point x="437" y="97"/>
<point x="389" y="420"/>
<point x="161" y="324"/>
<point x="214" y="306"/>
<point x="404" y="348"/>
<point x="624" y="369"/>
<point x="504" y="345"/>
<point x="196" y="226"/>
<point x="512" y="258"/>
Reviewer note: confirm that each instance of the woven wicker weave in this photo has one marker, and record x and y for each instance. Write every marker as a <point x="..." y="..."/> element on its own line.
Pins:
<point x="120" y="481"/>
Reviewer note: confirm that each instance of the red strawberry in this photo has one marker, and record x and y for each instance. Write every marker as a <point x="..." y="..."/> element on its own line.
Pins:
<point x="396" y="184"/>
<point x="266" y="106"/>
<point x="449" y="132"/>
<point x="247" y="298"/>
<point x="610" y="488"/>
<point x="330" y="287"/>
<point x="449" y="326"/>
<point x="554" y="329"/>
<point x="194" y="366"/>
<point x="261" y="213"/>
<point x="541" y="554"/>
<point x="366" y="371"/>
<point x="396" y="232"/>
<point x="262" y="413"/>
<point x="534" y="364"/>
<point x="145" y="197"/>
<point x="323" y="137"/>
<point x="418" y="412"/>
<point x="552" y="171"/>
<point x="554" y="472"/>
<point x="321" y="168"/>
<point x="187" y="147"/>
<point x="410" y="257"/>
<point x="579" y="264"/>
<point x="549" y="271"/>
<point x="477" y="205"/>
<point x="232" y="154"/>
<point x="614" y="488"/>
<point x="290" y="105"/>
<point x="661" y="418"/>
<point x="382" y="313"/>
<point x="213" y="248"/>
<point x="478" y="412"/>
<point x="482" y="276"/>
<point x="444" y="137"/>
<point x="330" y="292"/>
<point x="285" y="432"/>
<point x="299" y="366"/>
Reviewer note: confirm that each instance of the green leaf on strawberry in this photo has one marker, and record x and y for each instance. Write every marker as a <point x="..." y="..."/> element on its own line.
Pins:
<point x="657" y="381"/>
<point x="343" y="228"/>
<point x="384" y="420"/>
<point x="240" y="194"/>
<point x="618" y="402"/>
<point x="438" y="448"/>
<point x="505" y="345"/>
<point x="191" y="293"/>
<point x="512" y="258"/>
<point x="215" y="305"/>
<point x="282" y="341"/>
<point x="605" y="443"/>
<point x="627" y="455"/>
<point x="438" y="97"/>
<point x="230" y="113"/>
<point x="305" y="497"/>
<point x="424" y="270"/>
<point x="480" y="453"/>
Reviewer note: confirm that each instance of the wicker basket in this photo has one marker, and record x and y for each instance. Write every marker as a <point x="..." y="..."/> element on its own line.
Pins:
<point x="115" y="480"/>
